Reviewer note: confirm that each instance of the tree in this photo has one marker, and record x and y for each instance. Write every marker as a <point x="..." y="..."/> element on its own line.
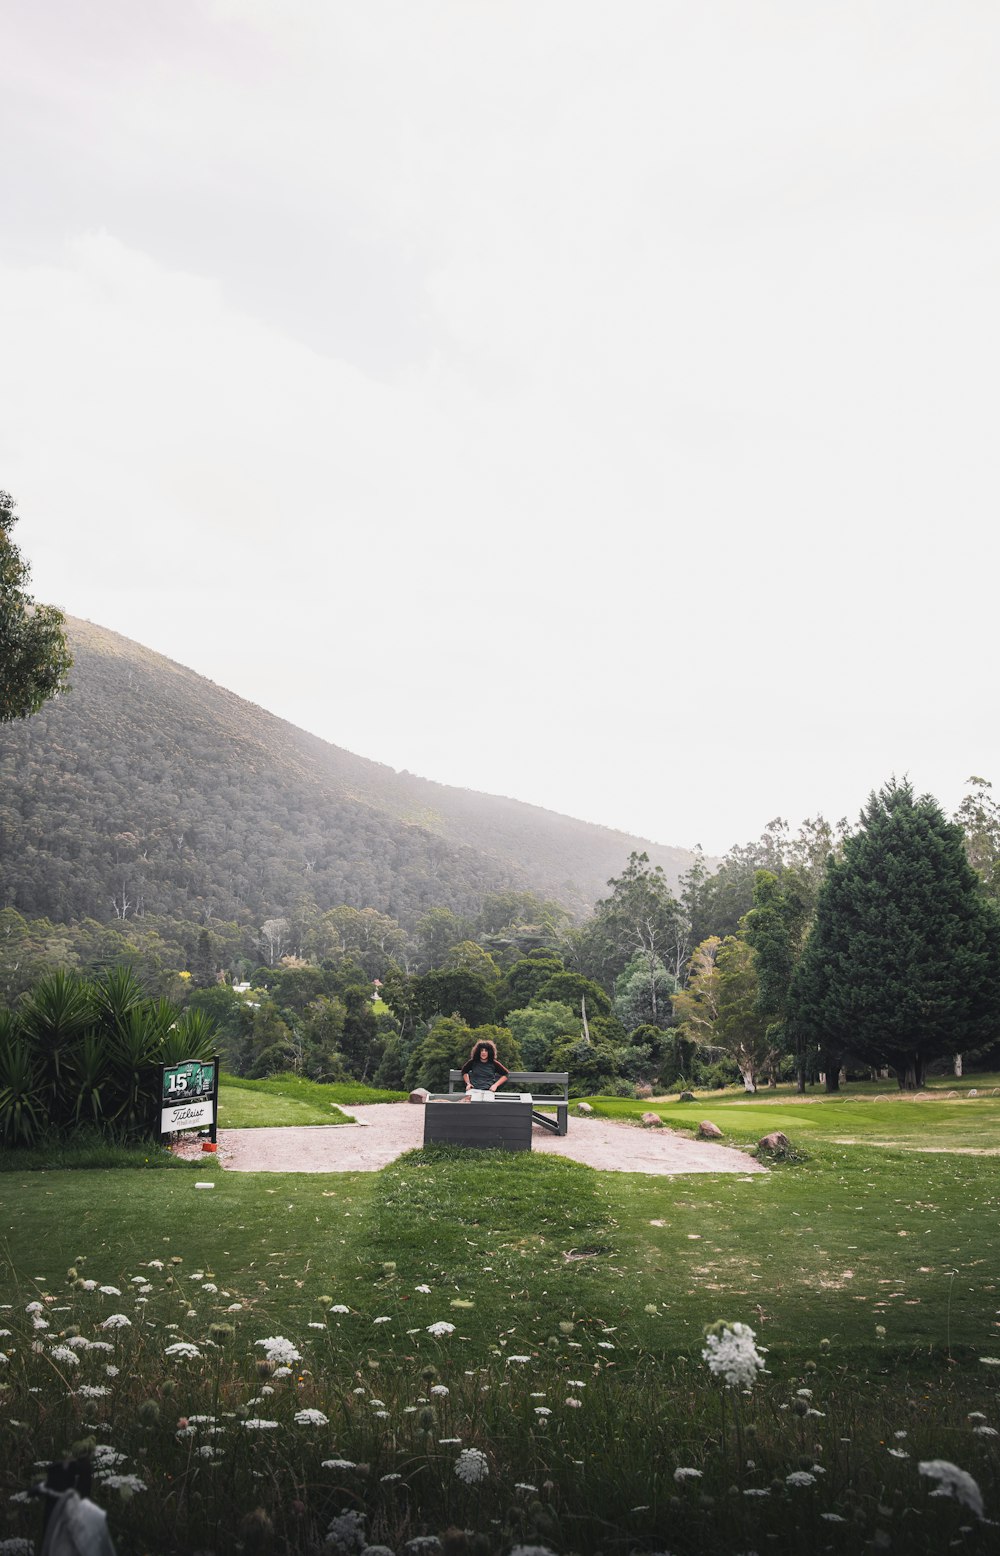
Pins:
<point x="643" y="994"/>
<point x="979" y="817"/>
<point x="537" y="1029"/>
<point x="718" y="1008"/>
<point x="640" y="918"/>
<point x="903" y="962"/>
<point x="34" y="657"/>
<point x="464" y="994"/>
<point x="775" y="929"/>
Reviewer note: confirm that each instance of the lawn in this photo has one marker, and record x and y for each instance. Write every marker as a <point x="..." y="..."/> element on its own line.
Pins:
<point x="290" y="1099"/>
<point x="871" y="1272"/>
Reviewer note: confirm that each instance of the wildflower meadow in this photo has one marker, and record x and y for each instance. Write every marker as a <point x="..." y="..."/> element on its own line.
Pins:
<point x="489" y="1353"/>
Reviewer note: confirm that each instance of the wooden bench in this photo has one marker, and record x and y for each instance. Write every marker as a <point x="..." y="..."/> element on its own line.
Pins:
<point x="557" y="1095"/>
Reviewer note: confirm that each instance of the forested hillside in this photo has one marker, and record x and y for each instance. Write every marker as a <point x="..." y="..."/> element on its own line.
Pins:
<point x="149" y="790"/>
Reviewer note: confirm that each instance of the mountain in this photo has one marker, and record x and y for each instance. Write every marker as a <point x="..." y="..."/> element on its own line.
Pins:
<point x="149" y="789"/>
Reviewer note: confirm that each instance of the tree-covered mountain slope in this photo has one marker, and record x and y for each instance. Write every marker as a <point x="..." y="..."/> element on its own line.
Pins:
<point x="147" y="788"/>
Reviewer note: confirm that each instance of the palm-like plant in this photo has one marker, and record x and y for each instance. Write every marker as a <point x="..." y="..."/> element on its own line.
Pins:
<point x="53" y="1019"/>
<point x="22" y="1093"/>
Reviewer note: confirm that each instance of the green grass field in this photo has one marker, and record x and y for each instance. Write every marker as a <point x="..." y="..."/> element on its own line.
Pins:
<point x="870" y="1271"/>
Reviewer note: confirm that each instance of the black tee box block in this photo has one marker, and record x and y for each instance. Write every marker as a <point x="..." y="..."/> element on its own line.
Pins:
<point x="499" y="1126"/>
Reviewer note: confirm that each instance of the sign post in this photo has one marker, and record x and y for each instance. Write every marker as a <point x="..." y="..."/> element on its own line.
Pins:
<point x="189" y="1096"/>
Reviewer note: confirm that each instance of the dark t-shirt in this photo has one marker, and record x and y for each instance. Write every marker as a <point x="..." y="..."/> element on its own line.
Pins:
<point x="483" y="1075"/>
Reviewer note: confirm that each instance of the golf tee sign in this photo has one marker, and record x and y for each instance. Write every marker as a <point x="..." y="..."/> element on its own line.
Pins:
<point x="189" y="1096"/>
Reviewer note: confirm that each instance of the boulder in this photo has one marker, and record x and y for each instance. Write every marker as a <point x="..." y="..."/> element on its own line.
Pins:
<point x="652" y="1121"/>
<point x="709" y="1131"/>
<point x="776" y="1144"/>
<point x="420" y="1094"/>
<point x="686" y="1096"/>
<point x="584" y="1107"/>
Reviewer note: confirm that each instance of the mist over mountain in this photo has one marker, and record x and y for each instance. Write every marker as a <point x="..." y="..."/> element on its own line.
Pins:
<point x="149" y="789"/>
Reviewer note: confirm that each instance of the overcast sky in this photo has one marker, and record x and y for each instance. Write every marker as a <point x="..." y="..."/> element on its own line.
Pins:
<point x="591" y="403"/>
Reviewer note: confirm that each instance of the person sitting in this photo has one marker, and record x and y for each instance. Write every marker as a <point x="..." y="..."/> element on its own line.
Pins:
<point x="482" y="1070"/>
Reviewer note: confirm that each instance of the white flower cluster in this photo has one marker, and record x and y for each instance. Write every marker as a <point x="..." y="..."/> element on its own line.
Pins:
<point x="471" y="1466"/>
<point x="183" y="1350"/>
<point x="732" y="1355"/>
<point x="440" y="1329"/>
<point x="346" y="1533"/>
<point x="116" y="1321"/>
<point x="311" y="1418"/>
<point x="278" y="1349"/>
<point x="953" y="1482"/>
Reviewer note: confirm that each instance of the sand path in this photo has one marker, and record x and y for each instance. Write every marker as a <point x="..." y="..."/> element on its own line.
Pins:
<point x="385" y="1130"/>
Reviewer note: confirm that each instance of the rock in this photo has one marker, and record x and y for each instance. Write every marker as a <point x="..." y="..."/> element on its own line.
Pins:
<point x="652" y="1121"/>
<point x="709" y="1131"/>
<point x="584" y="1107"/>
<point x="776" y="1143"/>
<point x="420" y="1095"/>
<point x="686" y="1096"/>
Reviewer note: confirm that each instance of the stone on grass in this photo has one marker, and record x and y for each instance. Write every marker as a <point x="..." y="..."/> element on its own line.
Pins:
<point x="584" y="1107"/>
<point x="686" y="1096"/>
<point x="420" y="1094"/>
<point x="776" y="1144"/>
<point x="652" y="1121"/>
<point x="709" y="1131"/>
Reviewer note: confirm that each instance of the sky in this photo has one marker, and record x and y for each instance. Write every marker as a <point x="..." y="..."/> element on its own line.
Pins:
<point x="589" y="403"/>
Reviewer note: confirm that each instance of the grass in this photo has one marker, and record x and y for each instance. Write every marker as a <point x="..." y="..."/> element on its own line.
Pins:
<point x="871" y="1273"/>
<point x="283" y="1100"/>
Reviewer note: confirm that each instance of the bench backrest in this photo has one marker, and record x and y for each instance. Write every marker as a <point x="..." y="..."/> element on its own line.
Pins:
<point x="529" y="1079"/>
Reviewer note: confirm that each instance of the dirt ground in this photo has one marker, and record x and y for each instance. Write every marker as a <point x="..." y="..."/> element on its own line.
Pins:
<point x="385" y="1130"/>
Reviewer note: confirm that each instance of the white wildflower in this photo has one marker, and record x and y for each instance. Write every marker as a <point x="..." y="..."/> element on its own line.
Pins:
<point x="605" y="1345"/>
<point x="315" y="1326"/>
<point x="62" y="1353"/>
<point x="800" y="1478"/>
<point x="235" y="1307"/>
<point x="440" y="1388"/>
<point x="338" y="1307"/>
<point x="258" y="1424"/>
<point x="279" y="1349"/>
<point x="35" y="1307"/>
<point x="898" y="1453"/>
<point x="109" y="1291"/>
<point x="517" y="1359"/>
<point x="575" y="1383"/>
<point x="129" y="1483"/>
<point x="282" y="1372"/>
<point x="93" y="1390"/>
<point x="107" y="1458"/>
<point x="154" y="1264"/>
<point x="100" y="1345"/>
<point x="683" y="1473"/>
<point x="571" y="1399"/>
<point x="387" y="1480"/>
<point x="111" y="1372"/>
<point x="471" y="1466"/>
<point x="833" y="1518"/>
<point x="732" y="1355"/>
<point x="184" y="1350"/>
<point x="88" y="1285"/>
<point x="542" y="1410"/>
<point x="526" y="1487"/>
<point x="426" y="1290"/>
<point x="346" y="1533"/>
<point x="531" y="1550"/>
<point x="990" y="1361"/>
<point x="440" y="1328"/>
<point x="953" y="1482"/>
<point x="338" y="1464"/>
<point x="385" y="1319"/>
<point x="311" y="1418"/>
<point x="985" y="1431"/>
<point x="210" y="1287"/>
<point x="116" y="1321"/>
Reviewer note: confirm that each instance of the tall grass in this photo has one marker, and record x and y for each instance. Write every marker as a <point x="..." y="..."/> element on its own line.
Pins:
<point x="562" y="1372"/>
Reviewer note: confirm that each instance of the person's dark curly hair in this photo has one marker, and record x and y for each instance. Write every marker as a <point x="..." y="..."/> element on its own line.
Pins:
<point x="490" y="1047"/>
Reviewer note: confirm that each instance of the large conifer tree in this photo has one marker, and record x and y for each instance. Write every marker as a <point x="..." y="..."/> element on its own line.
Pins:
<point x="903" y="962"/>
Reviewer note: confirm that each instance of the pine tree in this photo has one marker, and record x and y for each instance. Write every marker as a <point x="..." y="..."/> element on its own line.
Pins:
<point x="903" y="962"/>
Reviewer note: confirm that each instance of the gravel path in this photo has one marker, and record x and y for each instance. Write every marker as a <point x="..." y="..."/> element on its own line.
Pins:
<point x="386" y="1129"/>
